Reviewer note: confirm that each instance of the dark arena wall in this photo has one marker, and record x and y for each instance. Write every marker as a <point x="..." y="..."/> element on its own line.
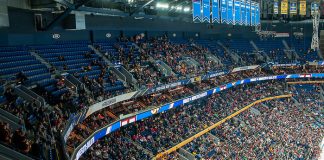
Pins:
<point x="23" y="31"/>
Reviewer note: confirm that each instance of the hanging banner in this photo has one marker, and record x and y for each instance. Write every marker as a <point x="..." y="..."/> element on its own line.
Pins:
<point x="196" y="11"/>
<point x="284" y="7"/>
<point x="257" y="14"/>
<point x="243" y="13"/>
<point x="293" y="8"/>
<point x="230" y="17"/>
<point x="237" y="8"/>
<point x="215" y="11"/>
<point x="224" y="11"/>
<point x="314" y="7"/>
<point x="206" y="11"/>
<point x="275" y="7"/>
<point x="302" y="7"/>
<point x="252" y="13"/>
<point x="248" y="12"/>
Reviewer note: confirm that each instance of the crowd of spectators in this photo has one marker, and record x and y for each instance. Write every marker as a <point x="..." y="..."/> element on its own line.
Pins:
<point x="161" y="132"/>
<point x="36" y="133"/>
<point x="282" y="130"/>
<point x="117" y="147"/>
<point x="148" y="101"/>
<point x="17" y="139"/>
<point x="111" y="113"/>
<point x="258" y="134"/>
<point x="54" y="120"/>
<point x="104" y="117"/>
<point x="269" y="130"/>
<point x="141" y="62"/>
<point x="42" y="125"/>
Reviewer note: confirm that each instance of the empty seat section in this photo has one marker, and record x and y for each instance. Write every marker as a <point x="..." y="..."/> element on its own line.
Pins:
<point x="274" y="48"/>
<point x="75" y="58"/>
<point x="302" y="48"/>
<point x="217" y="50"/>
<point x="14" y="60"/>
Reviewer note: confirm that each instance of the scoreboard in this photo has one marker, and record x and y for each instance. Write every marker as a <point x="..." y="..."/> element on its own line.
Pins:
<point x="233" y="12"/>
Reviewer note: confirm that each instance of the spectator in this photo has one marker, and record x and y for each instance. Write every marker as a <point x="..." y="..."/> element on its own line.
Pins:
<point x="61" y="58"/>
<point x="21" y="77"/>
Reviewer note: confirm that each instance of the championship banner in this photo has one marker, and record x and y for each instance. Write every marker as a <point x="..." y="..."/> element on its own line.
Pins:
<point x="248" y="12"/>
<point x="230" y="18"/>
<point x="302" y="7"/>
<point x="243" y="13"/>
<point x="275" y="7"/>
<point x="314" y="7"/>
<point x="215" y="11"/>
<point x="284" y="7"/>
<point x="252" y="13"/>
<point x="206" y="11"/>
<point x="237" y="8"/>
<point x="257" y="14"/>
<point x="224" y="11"/>
<point x="293" y="8"/>
<point x="196" y="12"/>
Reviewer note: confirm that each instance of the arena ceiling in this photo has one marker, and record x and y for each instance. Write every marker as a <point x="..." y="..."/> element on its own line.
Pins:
<point x="145" y="7"/>
<point x="173" y="9"/>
